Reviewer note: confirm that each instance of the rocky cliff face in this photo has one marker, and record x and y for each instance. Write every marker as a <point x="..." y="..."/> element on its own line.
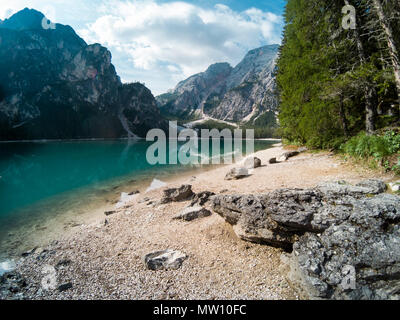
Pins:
<point x="55" y="86"/>
<point x="239" y="94"/>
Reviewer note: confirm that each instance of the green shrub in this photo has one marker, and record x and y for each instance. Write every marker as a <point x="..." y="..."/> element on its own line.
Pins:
<point x="380" y="148"/>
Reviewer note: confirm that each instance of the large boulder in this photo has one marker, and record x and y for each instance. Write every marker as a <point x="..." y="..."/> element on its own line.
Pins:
<point x="345" y="238"/>
<point x="182" y="193"/>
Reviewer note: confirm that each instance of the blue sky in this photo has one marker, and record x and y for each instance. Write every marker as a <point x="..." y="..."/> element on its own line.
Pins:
<point x="160" y="42"/>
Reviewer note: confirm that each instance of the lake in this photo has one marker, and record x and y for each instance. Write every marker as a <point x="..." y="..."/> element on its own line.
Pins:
<point x="40" y="179"/>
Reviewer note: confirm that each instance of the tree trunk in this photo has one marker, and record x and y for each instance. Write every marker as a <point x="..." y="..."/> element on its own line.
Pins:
<point x="342" y="116"/>
<point x="369" y="91"/>
<point x="370" y="110"/>
<point x="394" y="53"/>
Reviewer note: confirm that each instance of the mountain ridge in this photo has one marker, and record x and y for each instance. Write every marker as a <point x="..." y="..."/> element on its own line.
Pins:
<point x="55" y="86"/>
<point x="239" y="94"/>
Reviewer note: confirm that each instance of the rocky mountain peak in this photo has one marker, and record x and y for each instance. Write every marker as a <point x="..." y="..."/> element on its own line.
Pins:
<point x="26" y="19"/>
<point x="239" y="94"/>
<point x="219" y="68"/>
<point x="55" y="86"/>
<point x="255" y="65"/>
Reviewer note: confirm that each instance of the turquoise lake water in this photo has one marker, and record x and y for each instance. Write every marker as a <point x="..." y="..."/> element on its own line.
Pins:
<point x="35" y="172"/>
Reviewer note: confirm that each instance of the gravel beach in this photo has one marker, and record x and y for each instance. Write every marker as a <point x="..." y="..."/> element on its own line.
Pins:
<point x="103" y="259"/>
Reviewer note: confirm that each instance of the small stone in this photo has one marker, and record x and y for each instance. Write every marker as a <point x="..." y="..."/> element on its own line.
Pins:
<point x="252" y="163"/>
<point x="192" y="213"/>
<point x="395" y="186"/>
<point x="285" y="156"/>
<point x="182" y="193"/>
<point x="109" y="213"/>
<point x="65" y="286"/>
<point x="164" y="260"/>
<point x="201" y="198"/>
<point x="237" y="173"/>
<point x="272" y="161"/>
<point x="29" y="252"/>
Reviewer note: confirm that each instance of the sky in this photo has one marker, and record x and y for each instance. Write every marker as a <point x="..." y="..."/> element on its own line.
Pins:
<point x="161" y="42"/>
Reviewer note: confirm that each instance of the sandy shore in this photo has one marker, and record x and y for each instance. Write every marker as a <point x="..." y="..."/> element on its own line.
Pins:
<point x="104" y="261"/>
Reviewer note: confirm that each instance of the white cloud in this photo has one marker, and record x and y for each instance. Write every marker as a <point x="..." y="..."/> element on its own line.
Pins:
<point x="166" y="42"/>
<point x="161" y="43"/>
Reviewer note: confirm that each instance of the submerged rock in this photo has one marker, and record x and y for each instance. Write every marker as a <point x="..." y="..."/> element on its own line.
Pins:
<point x="340" y="234"/>
<point x="192" y="213"/>
<point x="164" y="260"/>
<point x="182" y="193"/>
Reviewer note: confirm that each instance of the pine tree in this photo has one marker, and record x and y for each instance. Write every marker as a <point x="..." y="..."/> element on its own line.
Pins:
<point x="333" y="82"/>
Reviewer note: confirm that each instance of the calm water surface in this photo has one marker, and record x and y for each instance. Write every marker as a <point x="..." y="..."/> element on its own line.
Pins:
<point x="37" y="175"/>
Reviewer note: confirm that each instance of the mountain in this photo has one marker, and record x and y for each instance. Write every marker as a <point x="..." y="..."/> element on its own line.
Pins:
<point x="241" y="94"/>
<point x="55" y="86"/>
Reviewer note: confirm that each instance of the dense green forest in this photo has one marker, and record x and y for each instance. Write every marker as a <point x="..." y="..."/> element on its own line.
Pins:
<point x="339" y="78"/>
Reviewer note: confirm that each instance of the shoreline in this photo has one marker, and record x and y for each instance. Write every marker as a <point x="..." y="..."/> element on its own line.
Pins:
<point x="113" y="139"/>
<point x="37" y="230"/>
<point x="219" y="266"/>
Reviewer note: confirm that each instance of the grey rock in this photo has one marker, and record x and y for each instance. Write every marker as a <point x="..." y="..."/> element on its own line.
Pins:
<point x="182" y="193"/>
<point x="65" y="286"/>
<point x="237" y="173"/>
<point x="29" y="252"/>
<point x="285" y="156"/>
<point x="192" y="213"/>
<point x="11" y="283"/>
<point x="109" y="213"/>
<point x="164" y="260"/>
<point x="395" y="186"/>
<point x="272" y="161"/>
<point x="332" y="228"/>
<point x="252" y="163"/>
<point x="302" y="149"/>
<point x="368" y="241"/>
<point x="201" y="198"/>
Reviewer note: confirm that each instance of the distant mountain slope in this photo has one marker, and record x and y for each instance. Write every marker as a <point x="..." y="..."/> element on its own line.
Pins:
<point x="190" y="95"/>
<point x="240" y="94"/>
<point x="55" y="86"/>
